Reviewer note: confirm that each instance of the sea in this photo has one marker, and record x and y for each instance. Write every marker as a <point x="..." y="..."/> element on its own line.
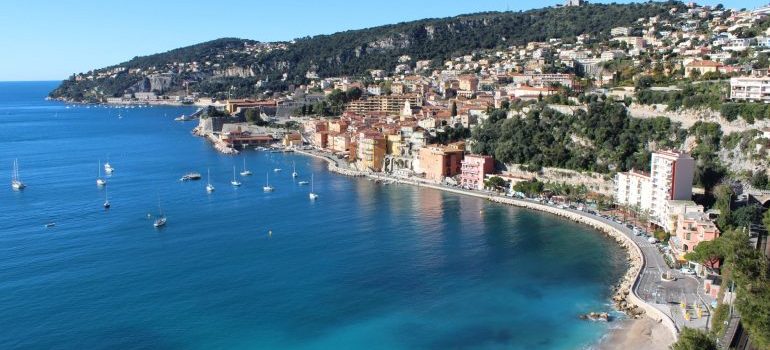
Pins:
<point x="365" y="266"/>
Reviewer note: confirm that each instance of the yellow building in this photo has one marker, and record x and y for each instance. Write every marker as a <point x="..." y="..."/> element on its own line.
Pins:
<point x="393" y="145"/>
<point x="371" y="151"/>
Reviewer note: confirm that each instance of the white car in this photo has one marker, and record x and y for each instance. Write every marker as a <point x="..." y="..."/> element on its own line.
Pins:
<point x="687" y="271"/>
<point x="652" y="240"/>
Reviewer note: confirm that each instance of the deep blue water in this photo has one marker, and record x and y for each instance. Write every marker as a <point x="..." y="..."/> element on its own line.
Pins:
<point x="365" y="267"/>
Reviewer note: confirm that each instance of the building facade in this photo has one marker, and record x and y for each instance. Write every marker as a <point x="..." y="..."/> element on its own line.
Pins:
<point x="750" y="88"/>
<point x="473" y="169"/>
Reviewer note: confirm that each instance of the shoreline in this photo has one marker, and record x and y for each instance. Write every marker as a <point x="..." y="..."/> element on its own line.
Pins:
<point x="647" y="327"/>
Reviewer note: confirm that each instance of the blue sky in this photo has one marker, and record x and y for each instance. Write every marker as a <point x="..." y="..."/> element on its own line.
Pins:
<point x="49" y="40"/>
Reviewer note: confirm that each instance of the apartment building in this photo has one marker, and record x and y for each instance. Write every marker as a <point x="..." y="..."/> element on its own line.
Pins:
<point x="670" y="179"/>
<point x="473" y="169"/>
<point x="750" y="88"/>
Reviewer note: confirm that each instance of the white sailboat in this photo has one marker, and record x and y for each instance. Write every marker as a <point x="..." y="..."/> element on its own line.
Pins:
<point x="209" y="186"/>
<point x="312" y="194"/>
<point x="245" y="172"/>
<point x="294" y="170"/>
<point x="16" y="182"/>
<point x="99" y="180"/>
<point x="160" y="220"/>
<point x="106" y="204"/>
<point x="108" y="169"/>
<point x="235" y="182"/>
<point x="267" y="187"/>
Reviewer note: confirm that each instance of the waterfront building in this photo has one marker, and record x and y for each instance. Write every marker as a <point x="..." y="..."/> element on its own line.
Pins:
<point x="292" y="139"/>
<point x="750" y="88"/>
<point x="691" y="229"/>
<point x="339" y="142"/>
<point x="634" y="189"/>
<point x="473" y="170"/>
<point x="321" y="139"/>
<point x="670" y="179"/>
<point x="671" y="175"/>
<point x="371" y="151"/>
<point x="439" y="162"/>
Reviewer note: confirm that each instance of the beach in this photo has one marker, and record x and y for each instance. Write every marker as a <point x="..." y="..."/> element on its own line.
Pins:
<point x="640" y="334"/>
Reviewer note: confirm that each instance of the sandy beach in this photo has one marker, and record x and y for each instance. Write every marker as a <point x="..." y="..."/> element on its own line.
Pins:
<point x="639" y="334"/>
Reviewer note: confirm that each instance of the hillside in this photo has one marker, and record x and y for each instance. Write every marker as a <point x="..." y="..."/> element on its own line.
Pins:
<point x="243" y="67"/>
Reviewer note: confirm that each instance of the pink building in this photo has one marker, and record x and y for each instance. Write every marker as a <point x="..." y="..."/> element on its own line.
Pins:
<point x="473" y="169"/>
<point x="691" y="229"/>
<point x="438" y="162"/>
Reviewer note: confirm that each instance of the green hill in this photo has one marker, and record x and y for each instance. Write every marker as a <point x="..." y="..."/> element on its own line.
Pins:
<point x="237" y="65"/>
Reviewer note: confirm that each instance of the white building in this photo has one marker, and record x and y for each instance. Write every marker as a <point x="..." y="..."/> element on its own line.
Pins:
<point x="620" y="31"/>
<point x="670" y="179"/>
<point x="633" y="189"/>
<point x="671" y="174"/>
<point x="750" y="88"/>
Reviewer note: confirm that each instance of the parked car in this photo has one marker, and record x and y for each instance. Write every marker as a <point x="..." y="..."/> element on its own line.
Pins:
<point x="652" y="240"/>
<point x="687" y="271"/>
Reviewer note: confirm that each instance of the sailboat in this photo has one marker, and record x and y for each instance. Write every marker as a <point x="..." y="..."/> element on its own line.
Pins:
<point x="160" y="220"/>
<point x="108" y="169"/>
<point x="209" y="186"/>
<point x="312" y="194"/>
<point x="16" y="182"/>
<point x="245" y="172"/>
<point x="294" y="171"/>
<point x="267" y="187"/>
<point x="106" y="204"/>
<point x="99" y="180"/>
<point x="235" y="182"/>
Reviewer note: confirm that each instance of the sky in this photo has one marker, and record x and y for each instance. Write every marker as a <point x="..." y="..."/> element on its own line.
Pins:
<point x="51" y="39"/>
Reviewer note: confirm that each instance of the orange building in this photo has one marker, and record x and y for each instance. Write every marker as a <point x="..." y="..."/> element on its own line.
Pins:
<point x="438" y="162"/>
<point x="371" y="150"/>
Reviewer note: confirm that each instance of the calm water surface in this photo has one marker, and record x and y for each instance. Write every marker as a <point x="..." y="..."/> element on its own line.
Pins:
<point x="364" y="267"/>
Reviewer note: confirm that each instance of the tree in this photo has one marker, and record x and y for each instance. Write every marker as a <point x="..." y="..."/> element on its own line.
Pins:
<point x="496" y="183"/>
<point x="454" y="108"/>
<point x="693" y="339"/>
<point x="724" y="198"/>
<point x="747" y="215"/>
<point x="759" y="179"/>
<point x="708" y="253"/>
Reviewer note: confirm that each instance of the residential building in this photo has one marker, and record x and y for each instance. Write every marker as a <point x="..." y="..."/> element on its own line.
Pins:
<point x="473" y="169"/>
<point x="620" y="31"/>
<point x="438" y="162"/>
<point x="702" y="67"/>
<point x="750" y="88"/>
<point x="371" y="150"/>
<point x="671" y="175"/>
<point x="670" y="179"/>
<point x="391" y="104"/>
<point x="691" y="229"/>
<point x="634" y="189"/>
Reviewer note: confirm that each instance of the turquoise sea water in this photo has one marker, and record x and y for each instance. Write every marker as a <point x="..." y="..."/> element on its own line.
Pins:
<point x="364" y="267"/>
